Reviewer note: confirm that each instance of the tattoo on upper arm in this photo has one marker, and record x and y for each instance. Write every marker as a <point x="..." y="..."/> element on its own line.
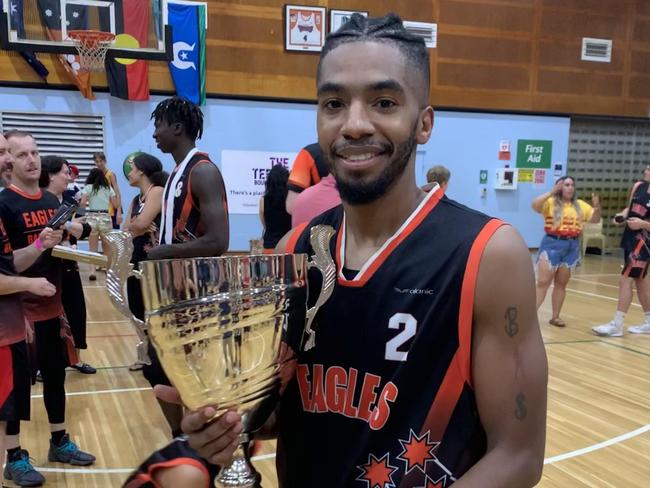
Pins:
<point x="521" y="411"/>
<point x="512" y="326"/>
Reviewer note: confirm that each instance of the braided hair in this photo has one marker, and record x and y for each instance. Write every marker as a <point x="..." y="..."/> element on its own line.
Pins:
<point x="389" y="30"/>
<point x="177" y="110"/>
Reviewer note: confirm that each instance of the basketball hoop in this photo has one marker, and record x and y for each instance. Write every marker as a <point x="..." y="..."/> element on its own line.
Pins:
<point x="92" y="46"/>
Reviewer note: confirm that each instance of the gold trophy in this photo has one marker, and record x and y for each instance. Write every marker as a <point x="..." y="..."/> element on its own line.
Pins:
<point x="226" y="328"/>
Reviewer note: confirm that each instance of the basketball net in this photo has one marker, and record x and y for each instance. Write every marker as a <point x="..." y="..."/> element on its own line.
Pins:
<point x="92" y="47"/>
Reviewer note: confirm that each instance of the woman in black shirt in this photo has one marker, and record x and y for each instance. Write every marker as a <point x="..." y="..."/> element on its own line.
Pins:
<point x="273" y="213"/>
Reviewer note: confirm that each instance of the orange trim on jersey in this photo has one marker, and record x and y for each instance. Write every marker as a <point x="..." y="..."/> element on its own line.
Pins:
<point x="630" y="264"/>
<point x="459" y="372"/>
<point x="467" y="295"/>
<point x="293" y="239"/>
<point x="142" y="478"/>
<point x="303" y="170"/>
<point x="15" y="189"/>
<point x="375" y="262"/>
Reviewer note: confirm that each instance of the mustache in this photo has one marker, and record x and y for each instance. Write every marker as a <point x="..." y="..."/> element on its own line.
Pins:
<point x="382" y="146"/>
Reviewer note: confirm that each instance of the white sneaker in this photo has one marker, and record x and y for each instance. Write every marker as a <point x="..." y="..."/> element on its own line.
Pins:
<point x="608" y="330"/>
<point x="644" y="328"/>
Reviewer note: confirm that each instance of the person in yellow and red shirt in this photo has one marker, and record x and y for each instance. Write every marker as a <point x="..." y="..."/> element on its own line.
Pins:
<point x="559" y="253"/>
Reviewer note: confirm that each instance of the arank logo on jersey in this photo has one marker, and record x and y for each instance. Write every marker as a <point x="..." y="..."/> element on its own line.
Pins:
<point x="333" y="391"/>
<point x="415" y="291"/>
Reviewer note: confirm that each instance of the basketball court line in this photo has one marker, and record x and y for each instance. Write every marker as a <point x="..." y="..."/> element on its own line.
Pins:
<point x="596" y="274"/>
<point x="551" y="460"/>
<point x="626" y="348"/>
<point x="120" y="321"/>
<point x="594" y="282"/>
<point x="596" y="295"/>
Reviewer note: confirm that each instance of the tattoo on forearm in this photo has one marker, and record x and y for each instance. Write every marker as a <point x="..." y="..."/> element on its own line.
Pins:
<point x="521" y="411"/>
<point x="512" y="326"/>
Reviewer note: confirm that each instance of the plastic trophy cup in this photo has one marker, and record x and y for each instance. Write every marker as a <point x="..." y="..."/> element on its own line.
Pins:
<point x="226" y="329"/>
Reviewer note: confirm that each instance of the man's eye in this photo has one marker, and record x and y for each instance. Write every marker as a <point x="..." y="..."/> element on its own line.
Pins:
<point x="333" y="104"/>
<point x="385" y="103"/>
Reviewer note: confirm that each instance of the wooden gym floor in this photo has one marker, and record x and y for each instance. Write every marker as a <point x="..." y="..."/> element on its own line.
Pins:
<point x="598" y="415"/>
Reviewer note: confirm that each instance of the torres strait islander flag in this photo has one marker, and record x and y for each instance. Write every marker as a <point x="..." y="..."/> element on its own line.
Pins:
<point x="129" y="78"/>
<point x="188" y="23"/>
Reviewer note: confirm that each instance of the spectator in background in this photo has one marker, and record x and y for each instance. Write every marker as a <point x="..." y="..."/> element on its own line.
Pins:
<point x="437" y="175"/>
<point x="71" y="193"/>
<point x="636" y="255"/>
<point x="99" y="196"/>
<point x="55" y="177"/>
<point x="143" y="221"/>
<point x="315" y="200"/>
<point x="559" y="253"/>
<point x="307" y="170"/>
<point x="273" y="213"/>
<point x="114" y="208"/>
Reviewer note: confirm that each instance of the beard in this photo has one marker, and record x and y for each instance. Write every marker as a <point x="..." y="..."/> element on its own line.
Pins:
<point x="360" y="192"/>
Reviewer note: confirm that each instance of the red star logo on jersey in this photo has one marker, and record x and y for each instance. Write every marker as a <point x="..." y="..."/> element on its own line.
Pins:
<point x="417" y="451"/>
<point x="377" y="473"/>
<point x="429" y="483"/>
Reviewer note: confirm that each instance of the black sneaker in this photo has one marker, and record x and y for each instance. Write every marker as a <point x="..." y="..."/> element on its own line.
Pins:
<point x="68" y="452"/>
<point x="19" y="469"/>
<point x="84" y="368"/>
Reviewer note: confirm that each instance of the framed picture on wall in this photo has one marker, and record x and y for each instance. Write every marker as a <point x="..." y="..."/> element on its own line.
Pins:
<point x="340" y="17"/>
<point x="304" y="28"/>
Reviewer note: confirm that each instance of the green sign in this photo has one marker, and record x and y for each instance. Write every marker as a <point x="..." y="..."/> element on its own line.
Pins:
<point x="534" y="154"/>
<point x="483" y="176"/>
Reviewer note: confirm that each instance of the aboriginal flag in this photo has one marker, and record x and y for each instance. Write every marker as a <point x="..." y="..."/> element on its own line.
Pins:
<point x="129" y="78"/>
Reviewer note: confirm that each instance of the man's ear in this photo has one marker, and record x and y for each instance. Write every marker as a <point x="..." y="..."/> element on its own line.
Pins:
<point x="425" y="125"/>
<point x="178" y="129"/>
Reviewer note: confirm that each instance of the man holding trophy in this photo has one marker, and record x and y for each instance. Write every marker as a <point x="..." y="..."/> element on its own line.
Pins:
<point x="421" y="364"/>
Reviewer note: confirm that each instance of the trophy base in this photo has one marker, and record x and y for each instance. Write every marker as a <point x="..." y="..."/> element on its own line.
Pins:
<point x="240" y="473"/>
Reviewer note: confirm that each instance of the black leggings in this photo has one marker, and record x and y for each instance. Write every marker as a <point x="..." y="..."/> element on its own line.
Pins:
<point x="74" y="304"/>
<point x="51" y="360"/>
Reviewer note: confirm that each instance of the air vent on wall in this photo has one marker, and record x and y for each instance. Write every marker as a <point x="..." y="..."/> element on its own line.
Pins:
<point x="599" y="50"/>
<point x="427" y="31"/>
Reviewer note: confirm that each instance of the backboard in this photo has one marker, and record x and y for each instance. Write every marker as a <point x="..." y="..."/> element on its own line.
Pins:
<point x="140" y="26"/>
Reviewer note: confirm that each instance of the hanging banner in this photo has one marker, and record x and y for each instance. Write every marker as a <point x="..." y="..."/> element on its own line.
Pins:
<point x="244" y="173"/>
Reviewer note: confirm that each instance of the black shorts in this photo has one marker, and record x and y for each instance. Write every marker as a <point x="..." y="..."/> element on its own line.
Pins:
<point x="15" y="382"/>
<point x="637" y="259"/>
<point x="176" y="453"/>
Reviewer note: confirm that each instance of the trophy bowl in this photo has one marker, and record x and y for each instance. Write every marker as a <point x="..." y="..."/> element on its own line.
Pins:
<point x="222" y="327"/>
<point x="227" y="329"/>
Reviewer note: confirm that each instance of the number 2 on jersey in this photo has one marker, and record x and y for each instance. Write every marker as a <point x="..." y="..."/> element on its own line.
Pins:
<point x="410" y="326"/>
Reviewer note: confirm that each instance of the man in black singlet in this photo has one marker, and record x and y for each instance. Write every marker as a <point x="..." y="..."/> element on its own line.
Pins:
<point x="429" y="367"/>
<point x="194" y="216"/>
<point x="194" y="220"/>
<point x="25" y="211"/>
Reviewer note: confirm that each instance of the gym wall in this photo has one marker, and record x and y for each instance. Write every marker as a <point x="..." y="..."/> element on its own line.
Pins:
<point x="491" y="54"/>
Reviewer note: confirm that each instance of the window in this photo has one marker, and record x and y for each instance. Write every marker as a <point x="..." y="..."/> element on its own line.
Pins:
<point x="73" y="136"/>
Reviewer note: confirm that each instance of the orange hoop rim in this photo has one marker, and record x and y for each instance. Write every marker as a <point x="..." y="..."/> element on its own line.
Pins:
<point x="91" y="37"/>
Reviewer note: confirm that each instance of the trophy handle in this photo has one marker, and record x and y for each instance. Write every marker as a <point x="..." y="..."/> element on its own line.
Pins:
<point x="319" y="238"/>
<point x="120" y="249"/>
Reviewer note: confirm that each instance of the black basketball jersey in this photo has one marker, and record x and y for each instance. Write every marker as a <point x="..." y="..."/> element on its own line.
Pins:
<point x="640" y="208"/>
<point x="24" y="217"/>
<point x="12" y="322"/>
<point x="144" y="242"/>
<point x="185" y="215"/>
<point x="385" y="398"/>
<point x="176" y="453"/>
